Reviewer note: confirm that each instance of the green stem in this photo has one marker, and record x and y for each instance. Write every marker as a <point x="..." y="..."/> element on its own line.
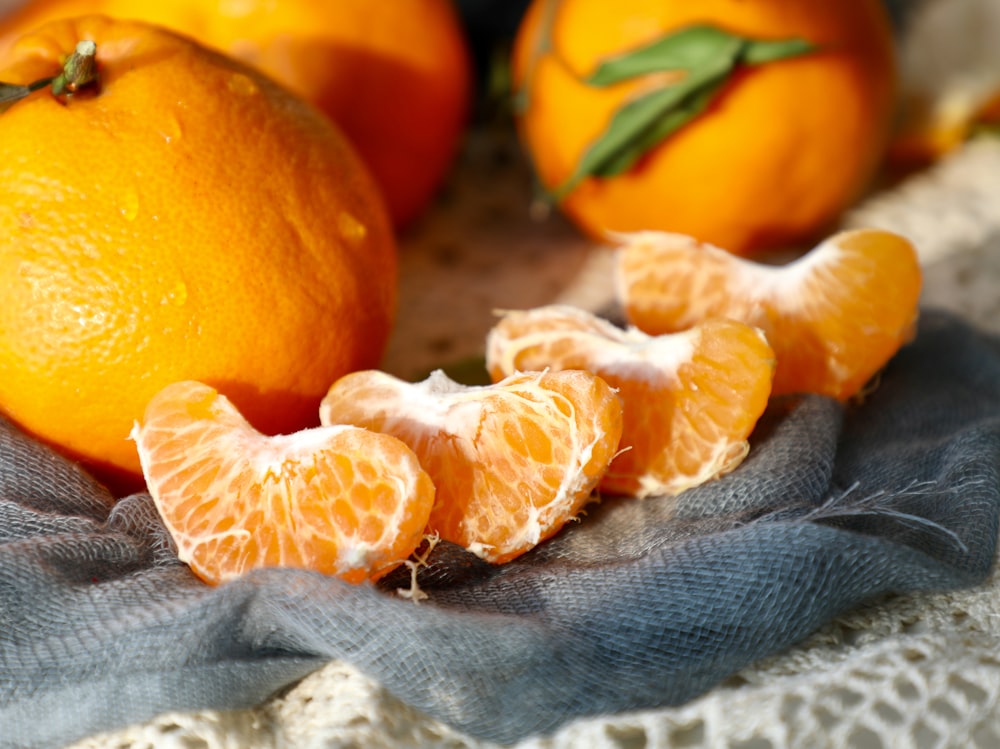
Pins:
<point x="33" y="87"/>
<point x="543" y="46"/>
<point x="79" y="70"/>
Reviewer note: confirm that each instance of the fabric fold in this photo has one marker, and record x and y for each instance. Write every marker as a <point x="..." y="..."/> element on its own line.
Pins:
<point x="642" y="603"/>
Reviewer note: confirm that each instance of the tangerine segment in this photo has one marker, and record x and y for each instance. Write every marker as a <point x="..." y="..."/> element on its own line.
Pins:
<point x="691" y="399"/>
<point x="512" y="461"/>
<point x="835" y="316"/>
<point x="338" y="500"/>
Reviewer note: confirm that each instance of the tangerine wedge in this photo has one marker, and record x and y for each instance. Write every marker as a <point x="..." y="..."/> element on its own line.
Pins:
<point x="512" y="462"/>
<point x="835" y="316"/>
<point x="338" y="500"/>
<point x="691" y="399"/>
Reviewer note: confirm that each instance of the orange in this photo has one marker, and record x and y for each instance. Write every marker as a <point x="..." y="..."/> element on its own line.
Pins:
<point x="949" y="66"/>
<point x="930" y="130"/>
<point x="512" y="462"/>
<point x="691" y="399"/>
<point x="338" y="500"/>
<point x="181" y="218"/>
<point x="834" y="316"/>
<point x="394" y="76"/>
<point x="766" y="152"/>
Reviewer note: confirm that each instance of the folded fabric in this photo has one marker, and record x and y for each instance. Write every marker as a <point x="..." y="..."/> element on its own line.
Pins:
<point x="642" y="603"/>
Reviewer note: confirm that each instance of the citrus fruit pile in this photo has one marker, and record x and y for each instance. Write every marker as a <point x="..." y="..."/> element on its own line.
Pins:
<point x="201" y="279"/>
<point x="714" y="336"/>
<point x="496" y="469"/>
<point x="576" y="405"/>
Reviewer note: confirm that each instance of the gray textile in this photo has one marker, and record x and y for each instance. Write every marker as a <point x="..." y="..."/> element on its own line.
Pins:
<point x="641" y="604"/>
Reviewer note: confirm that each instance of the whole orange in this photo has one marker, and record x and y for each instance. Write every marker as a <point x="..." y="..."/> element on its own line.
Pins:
<point x="395" y="76"/>
<point x="777" y="153"/>
<point x="183" y="218"/>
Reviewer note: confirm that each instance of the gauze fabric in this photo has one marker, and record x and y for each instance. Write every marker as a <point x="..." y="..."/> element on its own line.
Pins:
<point x="640" y="604"/>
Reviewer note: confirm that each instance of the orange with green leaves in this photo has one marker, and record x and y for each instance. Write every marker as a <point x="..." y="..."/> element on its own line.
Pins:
<point x="750" y="125"/>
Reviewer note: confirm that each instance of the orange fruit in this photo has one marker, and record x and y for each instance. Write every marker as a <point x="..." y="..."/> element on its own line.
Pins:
<point x="949" y="81"/>
<point x="394" y="76"/>
<point x="931" y="130"/>
<point x="691" y="399"/>
<point x="834" y="316"/>
<point x="183" y="218"/>
<point x="512" y="462"/>
<point x="338" y="500"/>
<point x="750" y="125"/>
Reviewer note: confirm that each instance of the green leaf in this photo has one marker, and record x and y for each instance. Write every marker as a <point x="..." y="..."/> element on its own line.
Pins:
<point x="688" y="49"/>
<point x="760" y="52"/>
<point x="11" y="93"/>
<point x="520" y="97"/>
<point x="705" y="56"/>
<point x="629" y="134"/>
<point x="661" y="129"/>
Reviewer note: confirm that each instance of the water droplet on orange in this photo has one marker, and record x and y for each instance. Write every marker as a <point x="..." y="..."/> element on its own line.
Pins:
<point x="350" y="228"/>
<point x="242" y="84"/>
<point x="171" y="129"/>
<point x="130" y="205"/>
<point x="177" y="295"/>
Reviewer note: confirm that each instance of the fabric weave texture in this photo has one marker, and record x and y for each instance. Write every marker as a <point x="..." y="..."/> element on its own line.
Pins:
<point x="642" y="603"/>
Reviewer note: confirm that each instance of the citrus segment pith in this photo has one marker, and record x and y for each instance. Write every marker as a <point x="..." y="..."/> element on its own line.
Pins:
<point x="834" y="316"/>
<point x="691" y="399"/>
<point x="338" y="500"/>
<point x="512" y="462"/>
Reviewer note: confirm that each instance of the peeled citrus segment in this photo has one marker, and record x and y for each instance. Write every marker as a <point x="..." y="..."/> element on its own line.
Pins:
<point x="691" y="399"/>
<point x="512" y="461"/>
<point x="338" y="500"/>
<point x="835" y="316"/>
